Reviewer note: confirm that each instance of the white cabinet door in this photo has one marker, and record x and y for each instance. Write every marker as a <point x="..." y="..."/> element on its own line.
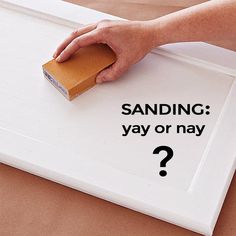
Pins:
<point x="80" y="143"/>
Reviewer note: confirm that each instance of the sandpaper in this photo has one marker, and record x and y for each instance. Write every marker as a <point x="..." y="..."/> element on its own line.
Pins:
<point x="78" y="74"/>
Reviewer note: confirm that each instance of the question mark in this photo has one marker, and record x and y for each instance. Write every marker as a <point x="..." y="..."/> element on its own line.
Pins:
<point x="170" y="154"/>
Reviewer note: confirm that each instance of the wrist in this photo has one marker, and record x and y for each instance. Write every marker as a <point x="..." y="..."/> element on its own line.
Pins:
<point x="158" y="32"/>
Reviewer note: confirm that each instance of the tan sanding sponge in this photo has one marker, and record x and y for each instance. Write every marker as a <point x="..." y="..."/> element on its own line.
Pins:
<point x="78" y="74"/>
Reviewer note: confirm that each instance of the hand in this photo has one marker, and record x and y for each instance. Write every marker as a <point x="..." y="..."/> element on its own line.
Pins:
<point x="130" y="40"/>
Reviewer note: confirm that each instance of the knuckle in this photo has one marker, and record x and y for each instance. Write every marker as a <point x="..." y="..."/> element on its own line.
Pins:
<point x="105" y="26"/>
<point x="104" y="21"/>
<point x="109" y="77"/>
<point x="105" y="78"/>
<point x="104" y="31"/>
<point x="75" y="42"/>
<point x="75" y="32"/>
<point x="100" y="32"/>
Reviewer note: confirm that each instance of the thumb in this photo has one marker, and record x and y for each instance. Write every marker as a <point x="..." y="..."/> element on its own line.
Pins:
<point x="111" y="73"/>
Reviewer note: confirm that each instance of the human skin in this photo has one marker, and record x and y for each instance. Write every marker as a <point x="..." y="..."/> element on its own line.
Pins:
<point x="131" y="40"/>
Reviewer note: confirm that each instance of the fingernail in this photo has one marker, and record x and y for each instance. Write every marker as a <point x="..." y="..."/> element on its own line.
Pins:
<point x="54" y="55"/>
<point x="58" y="59"/>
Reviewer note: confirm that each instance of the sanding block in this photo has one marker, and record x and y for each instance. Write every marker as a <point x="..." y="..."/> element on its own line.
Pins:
<point x="78" y="74"/>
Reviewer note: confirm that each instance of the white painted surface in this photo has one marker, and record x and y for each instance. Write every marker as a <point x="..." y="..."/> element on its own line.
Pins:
<point x="79" y="143"/>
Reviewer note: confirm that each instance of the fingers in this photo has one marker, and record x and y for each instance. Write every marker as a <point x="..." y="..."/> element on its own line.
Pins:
<point x="72" y="36"/>
<point x="79" y="42"/>
<point x="112" y="73"/>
